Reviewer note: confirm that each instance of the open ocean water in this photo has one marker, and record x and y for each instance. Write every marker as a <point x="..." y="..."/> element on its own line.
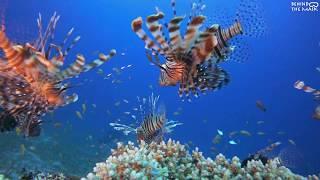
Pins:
<point x="258" y="107"/>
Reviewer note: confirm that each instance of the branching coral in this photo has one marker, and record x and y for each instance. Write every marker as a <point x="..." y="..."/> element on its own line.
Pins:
<point x="172" y="160"/>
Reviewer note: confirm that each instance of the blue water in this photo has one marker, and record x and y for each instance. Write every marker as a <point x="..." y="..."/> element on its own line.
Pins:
<point x="289" y="51"/>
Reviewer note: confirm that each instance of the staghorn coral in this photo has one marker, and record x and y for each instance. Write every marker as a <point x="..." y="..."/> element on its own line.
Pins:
<point x="172" y="160"/>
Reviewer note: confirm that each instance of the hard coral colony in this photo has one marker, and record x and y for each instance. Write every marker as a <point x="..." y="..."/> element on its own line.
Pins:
<point x="172" y="160"/>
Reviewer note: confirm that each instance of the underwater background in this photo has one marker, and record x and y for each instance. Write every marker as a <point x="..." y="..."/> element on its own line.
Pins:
<point x="287" y="51"/>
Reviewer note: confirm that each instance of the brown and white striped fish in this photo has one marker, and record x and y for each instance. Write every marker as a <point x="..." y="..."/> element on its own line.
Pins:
<point x="301" y="86"/>
<point x="184" y="54"/>
<point x="152" y="128"/>
<point x="31" y="76"/>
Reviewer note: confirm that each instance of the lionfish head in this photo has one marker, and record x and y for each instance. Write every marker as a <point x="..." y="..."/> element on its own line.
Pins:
<point x="165" y="80"/>
<point x="171" y="73"/>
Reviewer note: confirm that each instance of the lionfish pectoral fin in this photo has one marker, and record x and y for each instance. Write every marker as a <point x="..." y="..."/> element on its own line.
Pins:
<point x="98" y="62"/>
<point x="73" y="70"/>
<point x="216" y="79"/>
<point x="9" y="51"/>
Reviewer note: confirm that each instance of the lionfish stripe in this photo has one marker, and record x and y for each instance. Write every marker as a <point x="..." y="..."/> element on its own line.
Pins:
<point x="136" y="26"/>
<point x="11" y="54"/>
<point x="75" y="69"/>
<point x="48" y="33"/>
<point x="173" y="5"/>
<point x="301" y="86"/>
<point x="102" y="59"/>
<point x="152" y="123"/>
<point x="232" y="31"/>
<point x="156" y="30"/>
<point x="67" y="37"/>
<point x="172" y="73"/>
<point x="193" y="31"/>
<point x="174" y="32"/>
<point x="74" y="42"/>
<point x="204" y="46"/>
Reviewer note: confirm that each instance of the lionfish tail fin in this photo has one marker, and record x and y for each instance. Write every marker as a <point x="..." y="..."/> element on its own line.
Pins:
<point x="234" y="30"/>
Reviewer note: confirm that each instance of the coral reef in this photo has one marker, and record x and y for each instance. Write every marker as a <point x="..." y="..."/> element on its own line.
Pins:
<point x="172" y="160"/>
<point x="3" y="177"/>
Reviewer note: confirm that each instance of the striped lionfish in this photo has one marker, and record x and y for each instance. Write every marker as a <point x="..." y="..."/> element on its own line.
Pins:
<point x="32" y="78"/>
<point x="190" y="60"/>
<point x="315" y="92"/>
<point x="261" y="154"/>
<point x="153" y="127"/>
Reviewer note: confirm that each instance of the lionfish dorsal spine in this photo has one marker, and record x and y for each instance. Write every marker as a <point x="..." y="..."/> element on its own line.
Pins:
<point x="73" y="43"/>
<point x="193" y="31"/>
<point x="174" y="33"/>
<point x="73" y="70"/>
<point x="65" y="40"/>
<point x="173" y="6"/>
<point x="44" y="38"/>
<point x="204" y="46"/>
<point x="136" y="26"/>
<point x="156" y="30"/>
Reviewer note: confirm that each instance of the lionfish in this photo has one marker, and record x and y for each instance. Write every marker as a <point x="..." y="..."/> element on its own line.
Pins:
<point x="261" y="154"/>
<point x="315" y="92"/>
<point x="32" y="78"/>
<point x="190" y="60"/>
<point x="301" y="86"/>
<point x="153" y="126"/>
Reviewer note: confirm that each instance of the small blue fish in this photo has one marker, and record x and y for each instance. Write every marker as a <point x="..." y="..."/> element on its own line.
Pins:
<point x="232" y="142"/>
<point x="220" y="132"/>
